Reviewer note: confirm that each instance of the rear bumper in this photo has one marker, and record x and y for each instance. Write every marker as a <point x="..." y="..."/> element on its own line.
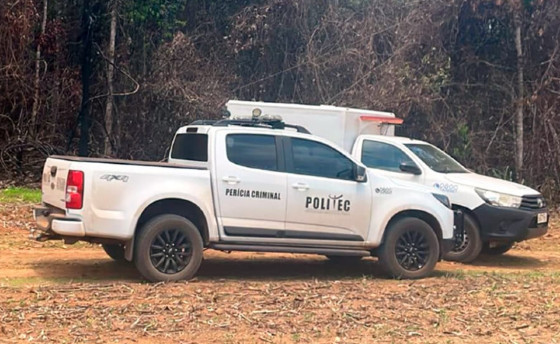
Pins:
<point x="53" y="222"/>
<point x="510" y="224"/>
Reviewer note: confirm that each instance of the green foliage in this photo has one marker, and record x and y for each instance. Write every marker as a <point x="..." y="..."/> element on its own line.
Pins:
<point x="528" y="3"/>
<point x="437" y="71"/>
<point x="462" y="148"/>
<point x="162" y="17"/>
<point x="20" y="194"/>
<point x="505" y="173"/>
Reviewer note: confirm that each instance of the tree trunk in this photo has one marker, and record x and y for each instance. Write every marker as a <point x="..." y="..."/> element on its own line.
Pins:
<point x="110" y="71"/>
<point x="36" y="80"/>
<point x="87" y="40"/>
<point x="519" y="101"/>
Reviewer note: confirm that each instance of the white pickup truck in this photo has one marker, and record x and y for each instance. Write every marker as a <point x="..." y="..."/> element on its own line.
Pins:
<point x="497" y="213"/>
<point x="243" y="186"/>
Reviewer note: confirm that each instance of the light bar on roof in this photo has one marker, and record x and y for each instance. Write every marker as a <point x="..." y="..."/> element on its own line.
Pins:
<point x="389" y="120"/>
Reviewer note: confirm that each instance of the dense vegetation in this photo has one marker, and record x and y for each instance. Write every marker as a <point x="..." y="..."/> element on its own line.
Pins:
<point x="480" y="78"/>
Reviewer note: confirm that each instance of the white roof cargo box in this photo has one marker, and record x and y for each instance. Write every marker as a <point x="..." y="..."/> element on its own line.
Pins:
<point x="338" y="124"/>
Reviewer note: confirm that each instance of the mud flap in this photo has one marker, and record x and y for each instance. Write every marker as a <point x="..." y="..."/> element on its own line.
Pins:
<point x="458" y="226"/>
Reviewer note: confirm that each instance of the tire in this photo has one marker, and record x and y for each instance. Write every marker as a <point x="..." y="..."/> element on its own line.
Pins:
<point x="469" y="249"/>
<point x="344" y="259"/>
<point x="115" y="251"/>
<point x="497" y="250"/>
<point x="410" y="249"/>
<point x="168" y="248"/>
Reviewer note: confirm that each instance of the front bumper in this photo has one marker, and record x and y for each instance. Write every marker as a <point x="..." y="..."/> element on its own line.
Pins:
<point x="52" y="223"/>
<point x="510" y="224"/>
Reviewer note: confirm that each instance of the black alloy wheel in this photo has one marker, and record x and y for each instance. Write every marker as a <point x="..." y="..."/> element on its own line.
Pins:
<point x="170" y="251"/>
<point x="412" y="250"/>
<point x="168" y="248"/>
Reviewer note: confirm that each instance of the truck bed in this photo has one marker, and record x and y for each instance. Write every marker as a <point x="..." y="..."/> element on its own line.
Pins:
<point x="125" y="162"/>
<point x="114" y="191"/>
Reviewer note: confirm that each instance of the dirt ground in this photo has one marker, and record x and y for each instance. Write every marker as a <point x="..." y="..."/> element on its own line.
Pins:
<point x="50" y="292"/>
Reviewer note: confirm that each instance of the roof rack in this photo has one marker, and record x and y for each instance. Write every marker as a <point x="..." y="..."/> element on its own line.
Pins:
<point x="255" y="123"/>
<point x="204" y="122"/>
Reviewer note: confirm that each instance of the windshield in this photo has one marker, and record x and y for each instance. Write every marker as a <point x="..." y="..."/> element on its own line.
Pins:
<point x="436" y="159"/>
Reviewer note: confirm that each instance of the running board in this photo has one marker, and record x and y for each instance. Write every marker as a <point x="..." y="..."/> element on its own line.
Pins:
<point x="288" y="249"/>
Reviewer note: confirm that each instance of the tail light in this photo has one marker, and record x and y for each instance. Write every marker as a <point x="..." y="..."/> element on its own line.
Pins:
<point x="74" y="189"/>
<point x="387" y="120"/>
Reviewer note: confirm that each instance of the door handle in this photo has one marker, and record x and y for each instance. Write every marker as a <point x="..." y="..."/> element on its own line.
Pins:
<point x="300" y="186"/>
<point x="231" y="180"/>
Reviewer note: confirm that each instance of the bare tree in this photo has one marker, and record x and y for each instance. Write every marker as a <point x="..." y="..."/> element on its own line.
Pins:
<point x="86" y="72"/>
<point x="36" y="80"/>
<point x="110" y="71"/>
<point x="519" y="115"/>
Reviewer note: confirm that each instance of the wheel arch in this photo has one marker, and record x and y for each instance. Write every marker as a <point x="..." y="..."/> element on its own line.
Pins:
<point x="175" y="206"/>
<point x="419" y="214"/>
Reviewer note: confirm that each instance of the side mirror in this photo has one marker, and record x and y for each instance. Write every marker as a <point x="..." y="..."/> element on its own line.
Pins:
<point x="360" y="174"/>
<point x="410" y="168"/>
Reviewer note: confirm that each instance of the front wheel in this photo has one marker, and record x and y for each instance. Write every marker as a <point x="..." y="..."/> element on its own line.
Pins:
<point x="496" y="250"/>
<point x="410" y="249"/>
<point x="168" y="248"/>
<point x="468" y="249"/>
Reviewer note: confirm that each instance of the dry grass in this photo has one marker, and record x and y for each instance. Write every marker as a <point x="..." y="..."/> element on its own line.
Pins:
<point x="53" y="293"/>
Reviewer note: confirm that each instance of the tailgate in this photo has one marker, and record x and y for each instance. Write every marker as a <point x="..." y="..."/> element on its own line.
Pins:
<point x="53" y="186"/>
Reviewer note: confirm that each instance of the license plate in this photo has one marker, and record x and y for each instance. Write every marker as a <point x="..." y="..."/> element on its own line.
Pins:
<point x="542" y="218"/>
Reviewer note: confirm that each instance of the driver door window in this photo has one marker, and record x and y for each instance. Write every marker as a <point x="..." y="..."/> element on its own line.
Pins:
<point x="316" y="159"/>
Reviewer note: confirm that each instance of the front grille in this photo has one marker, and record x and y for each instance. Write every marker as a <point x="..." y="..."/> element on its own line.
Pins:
<point x="533" y="202"/>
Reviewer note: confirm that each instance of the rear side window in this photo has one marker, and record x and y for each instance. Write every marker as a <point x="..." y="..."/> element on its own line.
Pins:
<point x="383" y="156"/>
<point x="190" y="147"/>
<point x="254" y="151"/>
<point x="316" y="159"/>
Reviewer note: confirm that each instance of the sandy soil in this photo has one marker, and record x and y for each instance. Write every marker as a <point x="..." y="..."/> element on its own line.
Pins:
<point x="56" y="293"/>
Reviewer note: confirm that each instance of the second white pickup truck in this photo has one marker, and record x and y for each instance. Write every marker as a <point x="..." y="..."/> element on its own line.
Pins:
<point x="245" y="186"/>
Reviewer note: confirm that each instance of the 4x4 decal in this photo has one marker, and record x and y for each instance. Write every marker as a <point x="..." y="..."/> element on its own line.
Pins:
<point x="109" y="177"/>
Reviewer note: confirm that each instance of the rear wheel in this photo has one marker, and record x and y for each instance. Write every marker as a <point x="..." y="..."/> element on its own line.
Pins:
<point x="410" y="249"/>
<point x="115" y="251"/>
<point x="168" y="248"/>
<point x="468" y="249"/>
<point x="344" y="259"/>
<point x="497" y="249"/>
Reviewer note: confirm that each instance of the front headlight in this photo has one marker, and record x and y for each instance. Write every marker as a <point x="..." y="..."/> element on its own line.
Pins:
<point x="499" y="199"/>
<point x="443" y="199"/>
